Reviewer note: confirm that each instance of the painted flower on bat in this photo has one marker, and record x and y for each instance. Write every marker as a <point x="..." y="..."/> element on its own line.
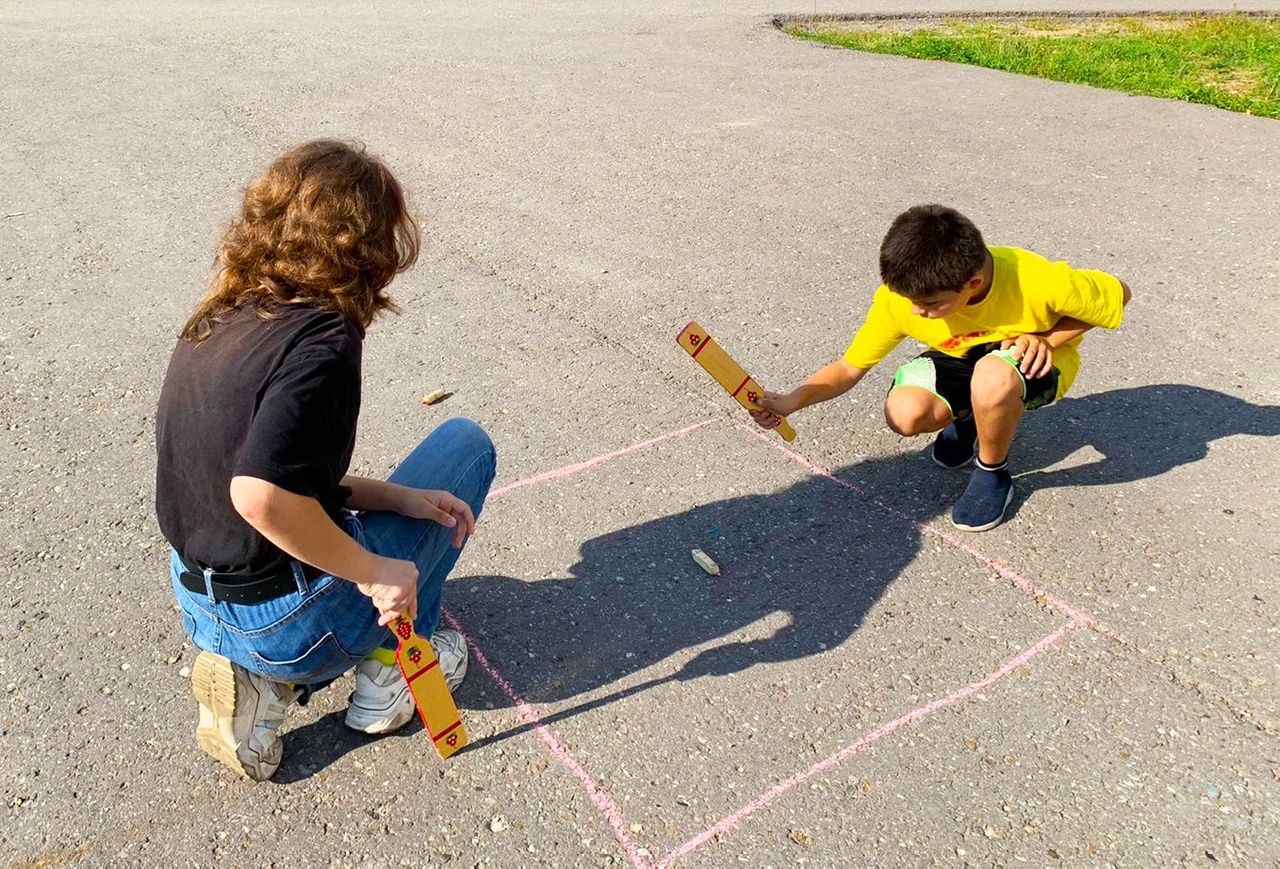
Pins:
<point x="415" y="654"/>
<point x="452" y="739"/>
<point x="695" y="340"/>
<point x="404" y="630"/>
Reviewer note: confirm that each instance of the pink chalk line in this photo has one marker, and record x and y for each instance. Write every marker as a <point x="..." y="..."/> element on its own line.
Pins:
<point x="605" y="804"/>
<point x="569" y="470"/>
<point x="1002" y="569"/>
<point x="865" y="742"/>
<point x="528" y="715"/>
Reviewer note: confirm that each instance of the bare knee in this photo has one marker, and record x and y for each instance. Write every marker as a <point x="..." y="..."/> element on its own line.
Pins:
<point x="995" y="382"/>
<point x="901" y="422"/>
<point x="910" y="415"/>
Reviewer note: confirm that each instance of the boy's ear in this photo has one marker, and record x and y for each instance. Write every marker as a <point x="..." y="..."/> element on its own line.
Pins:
<point x="976" y="282"/>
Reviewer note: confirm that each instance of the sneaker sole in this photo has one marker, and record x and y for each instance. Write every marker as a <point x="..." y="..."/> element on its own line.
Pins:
<point x="213" y="682"/>
<point x="934" y="455"/>
<point x="945" y="466"/>
<point x="1008" y="498"/>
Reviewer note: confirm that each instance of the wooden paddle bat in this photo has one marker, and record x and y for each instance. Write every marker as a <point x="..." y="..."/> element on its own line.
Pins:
<point x="431" y="695"/>
<point x="729" y="374"/>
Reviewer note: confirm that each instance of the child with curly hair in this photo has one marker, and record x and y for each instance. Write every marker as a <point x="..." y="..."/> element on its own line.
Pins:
<point x="288" y="569"/>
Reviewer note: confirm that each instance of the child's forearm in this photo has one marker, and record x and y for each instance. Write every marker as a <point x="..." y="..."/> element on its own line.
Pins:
<point x="300" y="527"/>
<point x="1066" y="329"/>
<point x="367" y="494"/>
<point x="826" y="383"/>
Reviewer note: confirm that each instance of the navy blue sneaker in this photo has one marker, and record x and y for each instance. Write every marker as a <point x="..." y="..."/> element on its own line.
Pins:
<point x="956" y="445"/>
<point x="983" y="503"/>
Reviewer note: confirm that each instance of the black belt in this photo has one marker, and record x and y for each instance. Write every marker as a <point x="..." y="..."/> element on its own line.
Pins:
<point x="244" y="587"/>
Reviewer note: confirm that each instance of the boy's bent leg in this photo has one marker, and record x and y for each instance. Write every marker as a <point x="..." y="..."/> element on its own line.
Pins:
<point x="913" y="410"/>
<point x="240" y="712"/>
<point x="931" y="393"/>
<point x="997" y="391"/>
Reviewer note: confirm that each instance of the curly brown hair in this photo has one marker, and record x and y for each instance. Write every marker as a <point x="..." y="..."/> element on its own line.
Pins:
<point x="325" y="225"/>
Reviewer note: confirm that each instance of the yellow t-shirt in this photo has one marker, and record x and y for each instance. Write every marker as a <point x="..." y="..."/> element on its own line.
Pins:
<point x="1028" y="294"/>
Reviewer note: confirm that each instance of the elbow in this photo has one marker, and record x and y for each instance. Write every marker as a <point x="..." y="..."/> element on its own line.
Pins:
<point x="252" y="499"/>
<point x="1128" y="293"/>
<point x="848" y="375"/>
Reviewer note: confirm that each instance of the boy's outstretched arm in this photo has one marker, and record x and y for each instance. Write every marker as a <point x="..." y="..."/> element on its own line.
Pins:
<point x="1036" y="350"/>
<point x="826" y="383"/>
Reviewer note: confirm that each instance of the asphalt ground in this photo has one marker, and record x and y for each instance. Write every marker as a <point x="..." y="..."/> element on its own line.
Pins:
<point x="1094" y="682"/>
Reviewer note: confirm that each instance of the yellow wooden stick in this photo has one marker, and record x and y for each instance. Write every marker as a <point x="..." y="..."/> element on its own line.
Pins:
<point x="431" y="695"/>
<point x="729" y="374"/>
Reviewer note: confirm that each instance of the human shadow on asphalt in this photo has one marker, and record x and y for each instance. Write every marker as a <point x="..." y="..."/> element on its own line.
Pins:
<point x="819" y="554"/>
<point x="1140" y="432"/>
<point x="311" y="748"/>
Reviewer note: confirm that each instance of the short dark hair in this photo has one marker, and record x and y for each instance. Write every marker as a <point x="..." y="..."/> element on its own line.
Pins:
<point x="930" y="249"/>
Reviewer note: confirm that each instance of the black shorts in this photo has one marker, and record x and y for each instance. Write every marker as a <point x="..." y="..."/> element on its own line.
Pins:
<point x="948" y="378"/>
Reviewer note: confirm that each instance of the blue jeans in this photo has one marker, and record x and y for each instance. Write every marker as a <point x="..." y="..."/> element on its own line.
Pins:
<point x="313" y="635"/>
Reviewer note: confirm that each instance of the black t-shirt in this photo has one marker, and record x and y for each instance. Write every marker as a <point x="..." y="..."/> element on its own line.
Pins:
<point x="274" y="399"/>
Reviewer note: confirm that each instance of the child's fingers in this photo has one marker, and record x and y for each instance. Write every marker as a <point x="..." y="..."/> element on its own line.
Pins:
<point x="1038" y="363"/>
<point x="766" y="418"/>
<point x="442" y="517"/>
<point x="468" y="519"/>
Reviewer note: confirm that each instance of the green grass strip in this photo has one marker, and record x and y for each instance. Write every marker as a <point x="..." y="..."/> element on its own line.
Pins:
<point x="1228" y="61"/>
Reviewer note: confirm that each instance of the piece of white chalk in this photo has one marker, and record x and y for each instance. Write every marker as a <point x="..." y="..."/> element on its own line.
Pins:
<point x="434" y="396"/>
<point x="705" y="562"/>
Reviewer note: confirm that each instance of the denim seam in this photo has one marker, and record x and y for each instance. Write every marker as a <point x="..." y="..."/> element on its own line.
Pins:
<point x="328" y="639"/>
<point x="292" y="615"/>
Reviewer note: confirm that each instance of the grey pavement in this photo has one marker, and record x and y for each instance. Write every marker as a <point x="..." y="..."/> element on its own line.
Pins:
<point x="1092" y="683"/>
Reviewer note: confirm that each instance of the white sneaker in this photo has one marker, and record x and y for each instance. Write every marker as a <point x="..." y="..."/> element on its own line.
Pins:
<point x="240" y="715"/>
<point x="382" y="702"/>
<point x="451" y="651"/>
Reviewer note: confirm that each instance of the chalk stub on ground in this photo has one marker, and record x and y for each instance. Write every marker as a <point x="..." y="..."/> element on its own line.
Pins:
<point x="705" y="562"/>
<point x="434" y="396"/>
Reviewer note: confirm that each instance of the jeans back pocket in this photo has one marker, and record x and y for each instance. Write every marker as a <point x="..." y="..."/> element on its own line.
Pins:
<point x="280" y="659"/>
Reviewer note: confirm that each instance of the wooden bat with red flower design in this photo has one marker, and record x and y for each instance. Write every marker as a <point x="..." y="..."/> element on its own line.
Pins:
<point x="431" y="695"/>
<point x="729" y="374"/>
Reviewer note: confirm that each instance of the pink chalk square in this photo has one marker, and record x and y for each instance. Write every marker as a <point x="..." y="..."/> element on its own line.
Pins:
<point x="685" y="697"/>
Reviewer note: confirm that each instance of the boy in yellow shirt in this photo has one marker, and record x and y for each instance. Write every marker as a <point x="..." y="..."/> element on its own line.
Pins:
<point x="1004" y="326"/>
